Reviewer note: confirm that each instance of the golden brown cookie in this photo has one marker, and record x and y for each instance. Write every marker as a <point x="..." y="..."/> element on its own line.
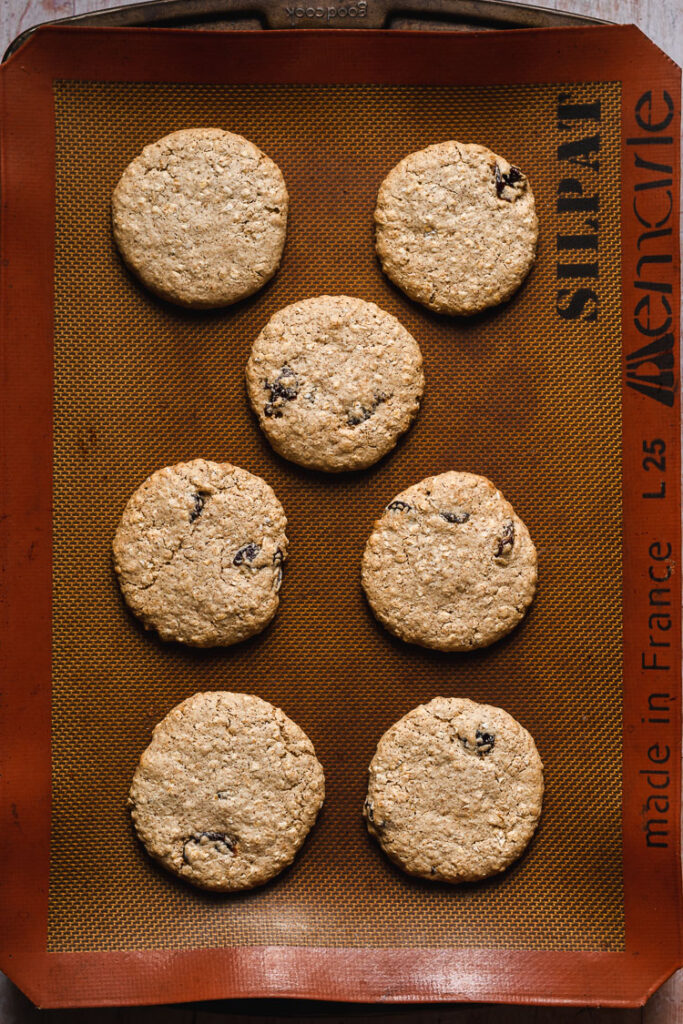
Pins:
<point x="200" y="216"/>
<point x="449" y="564"/>
<point x="455" y="790"/>
<point x="456" y="227"/>
<point x="199" y="553"/>
<point x="334" y="382"/>
<point x="227" y="791"/>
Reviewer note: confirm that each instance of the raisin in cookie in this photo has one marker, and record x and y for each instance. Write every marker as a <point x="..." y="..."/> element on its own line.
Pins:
<point x="199" y="553"/>
<point x="450" y="565"/>
<point x="455" y="791"/>
<point x="200" y="217"/>
<point x="227" y="791"/>
<point x="334" y="382"/>
<point x="456" y="227"/>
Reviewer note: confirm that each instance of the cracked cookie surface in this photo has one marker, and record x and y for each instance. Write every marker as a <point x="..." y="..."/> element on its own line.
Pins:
<point x="450" y="565"/>
<point x="227" y="791"/>
<point x="200" y="217"/>
<point x="456" y="227"/>
<point x="334" y="382"/>
<point x="199" y="552"/>
<point x="455" y="790"/>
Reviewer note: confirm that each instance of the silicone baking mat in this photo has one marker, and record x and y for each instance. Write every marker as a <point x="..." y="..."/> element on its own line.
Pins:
<point x="529" y="394"/>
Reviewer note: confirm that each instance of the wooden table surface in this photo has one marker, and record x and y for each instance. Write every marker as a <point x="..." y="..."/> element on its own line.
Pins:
<point x="662" y="21"/>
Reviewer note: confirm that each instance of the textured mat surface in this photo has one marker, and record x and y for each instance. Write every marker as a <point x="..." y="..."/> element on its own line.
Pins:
<point x="517" y="394"/>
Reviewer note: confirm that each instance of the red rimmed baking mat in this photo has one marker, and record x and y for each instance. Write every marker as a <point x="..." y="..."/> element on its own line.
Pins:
<point x="529" y="394"/>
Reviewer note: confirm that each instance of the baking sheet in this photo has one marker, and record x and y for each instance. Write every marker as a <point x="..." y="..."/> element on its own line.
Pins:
<point x="522" y="394"/>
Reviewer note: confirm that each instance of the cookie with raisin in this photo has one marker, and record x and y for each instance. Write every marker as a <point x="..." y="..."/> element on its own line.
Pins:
<point x="335" y="382"/>
<point x="227" y="791"/>
<point x="456" y="227"/>
<point x="455" y="791"/>
<point x="199" y="553"/>
<point x="449" y="564"/>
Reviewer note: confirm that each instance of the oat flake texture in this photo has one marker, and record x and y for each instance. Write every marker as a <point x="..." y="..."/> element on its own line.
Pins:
<point x="455" y="790"/>
<point x="199" y="553"/>
<point x="449" y="564"/>
<point x="227" y="791"/>
<point x="200" y="216"/>
<point x="334" y="382"/>
<point x="456" y="227"/>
